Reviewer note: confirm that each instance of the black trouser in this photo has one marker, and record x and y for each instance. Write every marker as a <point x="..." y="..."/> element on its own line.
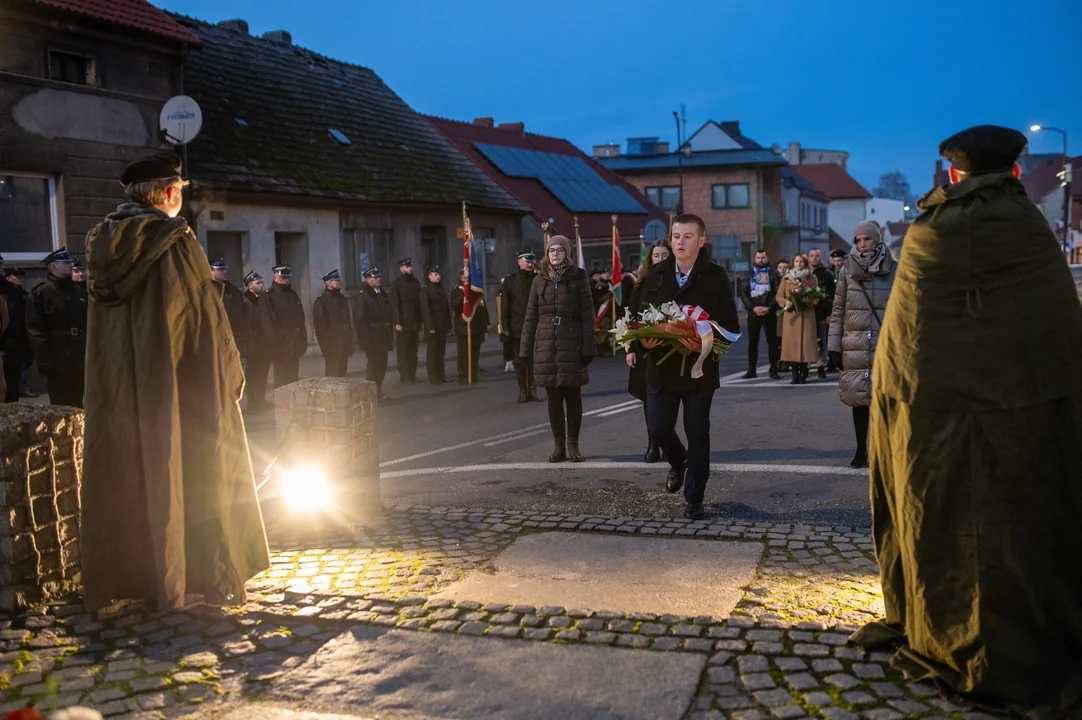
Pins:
<point x="435" y="352"/>
<point x="336" y="364"/>
<point x="768" y="323"/>
<point x="861" y="420"/>
<point x="406" y="353"/>
<point x="523" y="369"/>
<point x="510" y="350"/>
<point x="558" y="397"/>
<point x="472" y="354"/>
<point x="663" y="408"/>
<point x="376" y="367"/>
<point x="11" y="377"/>
<point x="66" y="388"/>
<point x="255" y="381"/>
<point x="286" y="371"/>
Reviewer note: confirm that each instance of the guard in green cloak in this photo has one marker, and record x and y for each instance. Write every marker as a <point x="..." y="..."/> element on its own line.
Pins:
<point x="976" y="444"/>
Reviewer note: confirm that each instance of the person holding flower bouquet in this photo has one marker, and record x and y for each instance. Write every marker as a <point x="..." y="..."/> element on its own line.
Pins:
<point x="685" y="281"/>
<point x="636" y="381"/>
<point x="797" y="296"/>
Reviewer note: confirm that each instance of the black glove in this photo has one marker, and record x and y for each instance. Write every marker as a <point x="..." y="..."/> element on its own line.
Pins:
<point x="836" y="358"/>
<point x="587" y="359"/>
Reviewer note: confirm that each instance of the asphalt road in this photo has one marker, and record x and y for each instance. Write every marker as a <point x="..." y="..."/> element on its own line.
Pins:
<point x="779" y="453"/>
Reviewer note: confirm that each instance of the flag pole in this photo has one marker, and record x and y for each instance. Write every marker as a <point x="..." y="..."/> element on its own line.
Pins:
<point x="615" y="259"/>
<point x="467" y="255"/>
<point x="545" y="231"/>
<point x="469" y="351"/>
<point x="672" y="216"/>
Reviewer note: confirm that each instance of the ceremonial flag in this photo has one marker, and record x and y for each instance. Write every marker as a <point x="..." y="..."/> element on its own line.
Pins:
<point x="473" y="284"/>
<point x="578" y="248"/>
<point x="616" y="270"/>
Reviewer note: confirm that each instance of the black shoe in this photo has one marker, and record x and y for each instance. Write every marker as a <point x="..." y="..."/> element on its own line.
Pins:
<point x="750" y="375"/>
<point x="559" y="454"/>
<point x="774" y="375"/>
<point x="522" y="396"/>
<point x="695" y="511"/>
<point x="803" y="373"/>
<point x="860" y="460"/>
<point x="532" y="397"/>
<point x="796" y="375"/>
<point x="653" y="453"/>
<point x="675" y="480"/>
<point x="822" y="372"/>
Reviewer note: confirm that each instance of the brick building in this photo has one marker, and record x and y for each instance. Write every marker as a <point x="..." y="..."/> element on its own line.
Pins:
<point x="82" y="83"/>
<point x="729" y="180"/>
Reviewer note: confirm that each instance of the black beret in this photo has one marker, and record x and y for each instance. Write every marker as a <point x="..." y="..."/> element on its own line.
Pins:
<point x="984" y="149"/>
<point x="159" y="166"/>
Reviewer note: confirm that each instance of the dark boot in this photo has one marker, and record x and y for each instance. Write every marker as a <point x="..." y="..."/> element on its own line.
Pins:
<point x="860" y="460"/>
<point x="560" y="453"/>
<point x="796" y="374"/>
<point x="675" y="479"/>
<point x="822" y="371"/>
<point x="653" y="452"/>
<point x="774" y="374"/>
<point x="750" y="374"/>
<point x="803" y="373"/>
<point x="532" y="396"/>
<point x="521" y="396"/>
<point x="573" y="453"/>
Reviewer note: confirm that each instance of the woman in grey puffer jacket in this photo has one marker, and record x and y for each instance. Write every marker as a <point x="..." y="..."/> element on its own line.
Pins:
<point x="864" y="285"/>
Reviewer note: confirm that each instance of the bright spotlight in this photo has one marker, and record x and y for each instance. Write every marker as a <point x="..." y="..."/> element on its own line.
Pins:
<point x="305" y="488"/>
<point x="1035" y="128"/>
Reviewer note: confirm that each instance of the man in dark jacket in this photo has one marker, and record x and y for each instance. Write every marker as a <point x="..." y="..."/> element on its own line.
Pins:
<point x="516" y="294"/>
<point x="758" y="290"/>
<point x="406" y="306"/>
<point x="828" y="282"/>
<point x="436" y="311"/>
<point x="56" y="323"/>
<point x="14" y="342"/>
<point x="282" y="317"/>
<point x="470" y="336"/>
<point x="372" y="317"/>
<point x="235" y="308"/>
<point x="837" y="262"/>
<point x="687" y="277"/>
<point x="334" y="330"/>
<point x="259" y="346"/>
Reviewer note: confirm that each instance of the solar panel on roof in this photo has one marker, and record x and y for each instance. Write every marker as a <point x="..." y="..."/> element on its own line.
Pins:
<point x="571" y="179"/>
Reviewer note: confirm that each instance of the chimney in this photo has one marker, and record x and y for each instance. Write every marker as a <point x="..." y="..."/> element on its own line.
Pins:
<point x="793" y="155"/>
<point x="237" y="25"/>
<point x="516" y="127"/>
<point x="607" y="151"/>
<point x="279" y="36"/>
<point x="732" y="127"/>
<point x="485" y="122"/>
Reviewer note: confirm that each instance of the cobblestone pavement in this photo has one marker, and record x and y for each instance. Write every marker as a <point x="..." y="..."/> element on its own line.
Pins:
<point x="782" y="654"/>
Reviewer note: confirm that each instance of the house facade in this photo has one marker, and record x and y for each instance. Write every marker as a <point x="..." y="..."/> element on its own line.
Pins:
<point x="729" y="180"/>
<point x="805" y="210"/>
<point x="316" y="163"/>
<point x="81" y="89"/>
<point x="848" y="204"/>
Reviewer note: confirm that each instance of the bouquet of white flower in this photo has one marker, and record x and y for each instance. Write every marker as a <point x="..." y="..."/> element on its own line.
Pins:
<point x="686" y="329"/>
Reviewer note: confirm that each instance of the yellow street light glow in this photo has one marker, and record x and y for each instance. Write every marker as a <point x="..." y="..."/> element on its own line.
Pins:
<point x="1035" y="128"/>
<point x="305" y="488"/>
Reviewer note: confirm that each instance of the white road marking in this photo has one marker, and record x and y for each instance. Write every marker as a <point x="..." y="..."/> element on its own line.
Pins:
<point x="779" y="384"/>
<point x="502" y="437"/>
<point x="564" y="467"/>
<point x="519" y="436"/>
<point x="623" y="409"/>
<point x="740" y="375"/>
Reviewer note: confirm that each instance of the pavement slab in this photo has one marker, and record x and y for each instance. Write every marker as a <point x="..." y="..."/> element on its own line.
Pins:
<point x="435" y="676"/>
<point x="626" y="574"/>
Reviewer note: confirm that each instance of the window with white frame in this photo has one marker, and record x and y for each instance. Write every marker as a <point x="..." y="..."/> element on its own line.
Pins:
<point x="28" y="216"/>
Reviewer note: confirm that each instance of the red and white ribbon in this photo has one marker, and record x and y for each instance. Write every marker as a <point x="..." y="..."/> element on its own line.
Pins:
<point x="705" y="329"/>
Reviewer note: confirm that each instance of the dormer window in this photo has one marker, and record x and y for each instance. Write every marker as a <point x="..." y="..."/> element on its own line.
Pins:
<point x="71" y="68"/>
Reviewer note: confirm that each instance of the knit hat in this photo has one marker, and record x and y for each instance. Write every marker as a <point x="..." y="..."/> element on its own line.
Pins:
<point x="869" y="228"/>
<point x="562" y="242"/>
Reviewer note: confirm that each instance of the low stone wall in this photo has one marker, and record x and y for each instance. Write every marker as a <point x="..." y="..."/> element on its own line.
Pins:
<point x="41" y="461"/>
<point x="331" y="422"/>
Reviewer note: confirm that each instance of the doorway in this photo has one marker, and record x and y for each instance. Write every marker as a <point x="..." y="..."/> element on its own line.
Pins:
<point x="230" y="247"/>
<point x="291" y="248"/>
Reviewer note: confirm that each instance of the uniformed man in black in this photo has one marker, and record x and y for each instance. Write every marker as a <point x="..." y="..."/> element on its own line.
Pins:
<point x="406" y="306"/>
<point x="258" y="362"/>
<point x="78" y="274"/>
<point x="436" y="311"/>
<point x="282" y="316"/>
<point x="516" y="293"/>
<point x="14" y="342"/>
<point x="372" y="316"/>
<point x="334" y="331"/>
<point x="56" y="322"/>
<point x="235" y="307"/>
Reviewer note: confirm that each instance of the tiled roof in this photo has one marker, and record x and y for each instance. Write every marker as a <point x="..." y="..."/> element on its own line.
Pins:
<point x="713" y="158"/>
<point x="833" y="181"/>
<point x="532" y="193"/>
<point x="134" y="14"/>
<point x="1031" y="161"/>
<point x="1043" y="179"/>
<point x="897" y="229"/>
<point x="284" y="120"/>
<point x="793" y="179"/>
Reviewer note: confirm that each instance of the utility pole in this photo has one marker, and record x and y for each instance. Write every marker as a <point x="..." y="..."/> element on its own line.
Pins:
<point x="680" y="160"/>
<point x="1066" y="187"/>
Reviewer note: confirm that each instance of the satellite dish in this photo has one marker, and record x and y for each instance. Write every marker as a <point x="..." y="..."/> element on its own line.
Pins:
<point x="180" y="120"/>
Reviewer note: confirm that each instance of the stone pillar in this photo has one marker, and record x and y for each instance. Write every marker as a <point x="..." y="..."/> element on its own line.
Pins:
<point x="41" y="464"/>
<point x="331" y="423"/>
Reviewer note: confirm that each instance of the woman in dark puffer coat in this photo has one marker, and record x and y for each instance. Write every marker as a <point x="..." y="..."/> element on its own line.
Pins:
<point x="864" y="285"/>
<point x="559" y="335"/>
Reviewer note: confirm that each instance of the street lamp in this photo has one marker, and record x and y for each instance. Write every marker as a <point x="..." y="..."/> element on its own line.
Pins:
<point x="680" y="160"/>
<point x="1066" y="182"/>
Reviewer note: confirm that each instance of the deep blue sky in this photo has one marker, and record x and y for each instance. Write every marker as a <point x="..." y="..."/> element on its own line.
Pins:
<point x="885" y="80"/>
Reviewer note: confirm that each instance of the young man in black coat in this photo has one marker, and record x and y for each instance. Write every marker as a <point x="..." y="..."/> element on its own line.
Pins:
<point x="687" y="277"/>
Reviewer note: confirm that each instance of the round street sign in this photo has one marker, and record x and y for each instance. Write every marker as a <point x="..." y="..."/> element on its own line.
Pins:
<point x="181" y="120"/>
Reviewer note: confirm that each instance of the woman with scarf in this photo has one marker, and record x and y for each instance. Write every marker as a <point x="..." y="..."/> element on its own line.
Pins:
<point x="636" y="381"/>
<point x="558" y="334"/>
<point x="799" y="341"/>
<point x="864" y="285"/>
